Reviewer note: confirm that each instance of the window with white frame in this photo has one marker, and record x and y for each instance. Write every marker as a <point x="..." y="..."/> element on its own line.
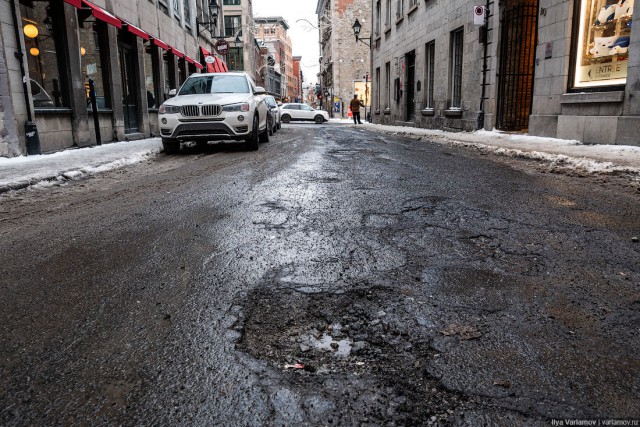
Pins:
<point x="232" y="25"/>
<point x="387" y="85"/>
<point x="176" y="9"/>
<point x="163" y="6"/>
<point x="430" y="55"/>
<point x="186" y="6"/>
<point x="456" y="68"/>
<point x="378" y="17"/>
<point x="378" y="94"/>
<point x="387" y="14"/>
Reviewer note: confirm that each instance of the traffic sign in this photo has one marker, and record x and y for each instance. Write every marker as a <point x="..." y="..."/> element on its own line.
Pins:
<point x="222" y="47"/>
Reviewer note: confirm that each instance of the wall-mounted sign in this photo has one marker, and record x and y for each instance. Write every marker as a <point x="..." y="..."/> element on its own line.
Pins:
<point x="222" y="47"/>
<point x="209" y="59"/>
<point x="548" y="50"/>
<point x="479" y="13"/>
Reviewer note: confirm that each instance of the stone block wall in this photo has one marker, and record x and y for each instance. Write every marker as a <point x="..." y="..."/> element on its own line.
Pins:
<point x="73" y="126"/>
<point x="593" y="115"/>
<point x="12" y="103"/>
<point x="350" y="61"/>
<point x="411" y="31"/>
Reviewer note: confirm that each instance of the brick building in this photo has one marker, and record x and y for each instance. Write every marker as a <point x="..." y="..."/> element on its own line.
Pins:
<point x="297" y="73"/>
<point x="273" y="32"/>
<point x="344" y="64"/>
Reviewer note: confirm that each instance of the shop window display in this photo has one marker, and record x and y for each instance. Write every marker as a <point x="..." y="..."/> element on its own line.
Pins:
<point x="150" y="72"/>
<point x="40" y="24"/>
<point x="93" y="60"/>
<point x="603" y="43"/>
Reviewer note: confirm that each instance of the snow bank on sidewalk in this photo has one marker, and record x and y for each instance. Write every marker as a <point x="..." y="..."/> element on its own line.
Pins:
<point x="51" y="169"/>
<point x="563" y="153"/>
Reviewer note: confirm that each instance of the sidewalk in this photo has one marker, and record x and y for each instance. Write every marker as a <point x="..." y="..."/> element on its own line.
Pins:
<point x="590" y="158"/>
<point x="43" y="170"/>
<point x="21" y="172"/>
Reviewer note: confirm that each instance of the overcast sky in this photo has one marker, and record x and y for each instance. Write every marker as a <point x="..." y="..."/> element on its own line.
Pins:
<point x="303" y="36"/>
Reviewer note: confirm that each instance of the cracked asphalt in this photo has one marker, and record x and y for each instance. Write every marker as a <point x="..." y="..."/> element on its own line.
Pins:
<point x="334" y="277"/>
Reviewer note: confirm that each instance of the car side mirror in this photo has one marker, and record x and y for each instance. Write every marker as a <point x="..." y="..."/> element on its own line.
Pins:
<point x="259" y="90"/>
<point x="171" y="93"/>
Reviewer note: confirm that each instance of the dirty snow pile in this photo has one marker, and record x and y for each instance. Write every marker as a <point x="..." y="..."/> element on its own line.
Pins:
<point x="567" y="154"/>
<point x="51" y="169"/>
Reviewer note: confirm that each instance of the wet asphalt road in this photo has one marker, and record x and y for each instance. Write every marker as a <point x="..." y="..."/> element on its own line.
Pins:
<point x="414" y="284"/>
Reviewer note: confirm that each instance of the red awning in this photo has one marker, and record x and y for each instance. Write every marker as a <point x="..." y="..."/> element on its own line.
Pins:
<point x="135" y="30"/>
<point x="103" y="15"/>
<point x="189" y="59"/>
<point x="76" y="3"/>
<point x="198" y="65"/>
<point x="217" y="66"/>
<point x="160" y="43"/>
<point x="177" y="53"/>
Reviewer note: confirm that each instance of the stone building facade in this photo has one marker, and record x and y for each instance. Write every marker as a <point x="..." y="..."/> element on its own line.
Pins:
<point x="427" y="63"/>
<point x="587" y="73"/>
<point x="133" y="53"/>
<point x="344" y="64"/>
<point x="559" y="68"/>
<point x="237" y="24"/>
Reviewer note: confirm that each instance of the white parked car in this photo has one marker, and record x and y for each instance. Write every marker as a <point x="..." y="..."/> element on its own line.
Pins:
<point x="213" y="107"/>
<point x="296" y="111"/>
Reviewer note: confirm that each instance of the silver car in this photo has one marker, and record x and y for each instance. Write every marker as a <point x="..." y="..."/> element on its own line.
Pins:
<point x="276" y="122"/>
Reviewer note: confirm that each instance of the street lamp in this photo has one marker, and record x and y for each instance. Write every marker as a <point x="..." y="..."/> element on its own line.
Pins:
<point x="357" y="26"/>
<point x="211" y="25"/>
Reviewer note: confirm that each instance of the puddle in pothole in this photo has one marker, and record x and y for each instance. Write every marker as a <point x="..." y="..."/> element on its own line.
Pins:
<point x="326" y="342"/>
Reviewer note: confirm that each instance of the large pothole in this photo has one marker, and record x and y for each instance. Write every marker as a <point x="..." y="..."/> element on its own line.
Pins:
<point x="361" y="341"/>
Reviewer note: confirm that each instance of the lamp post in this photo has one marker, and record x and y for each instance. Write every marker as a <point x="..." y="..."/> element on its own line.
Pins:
<point x="357" y="26"/>
<point x="212" y="24"/>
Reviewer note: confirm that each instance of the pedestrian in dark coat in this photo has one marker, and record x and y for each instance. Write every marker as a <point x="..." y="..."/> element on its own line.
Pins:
<point x="355" y="109"/>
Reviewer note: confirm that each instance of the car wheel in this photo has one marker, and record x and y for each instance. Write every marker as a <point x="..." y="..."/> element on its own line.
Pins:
<point x="319" y="119"/>
<point x="286" y="118"/>
<point x="252" y="142"/>
<point x="270" y="127"/>
<point x="171" y="146"/>
<point x="264" y="136"/>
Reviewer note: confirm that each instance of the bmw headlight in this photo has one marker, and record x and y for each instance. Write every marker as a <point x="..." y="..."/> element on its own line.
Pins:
<point x="168" y="109"/>
<point x="236" y="107"/>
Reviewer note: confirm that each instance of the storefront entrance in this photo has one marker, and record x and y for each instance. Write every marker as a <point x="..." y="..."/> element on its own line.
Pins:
<point x="518" y="37"/>
<point x="129" y="88"/>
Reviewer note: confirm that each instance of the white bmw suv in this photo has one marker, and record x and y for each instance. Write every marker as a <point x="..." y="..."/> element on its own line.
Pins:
<point x="213" y="107"/>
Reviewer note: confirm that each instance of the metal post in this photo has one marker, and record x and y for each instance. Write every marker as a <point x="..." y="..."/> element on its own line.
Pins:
<point x="94" y="108"/>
